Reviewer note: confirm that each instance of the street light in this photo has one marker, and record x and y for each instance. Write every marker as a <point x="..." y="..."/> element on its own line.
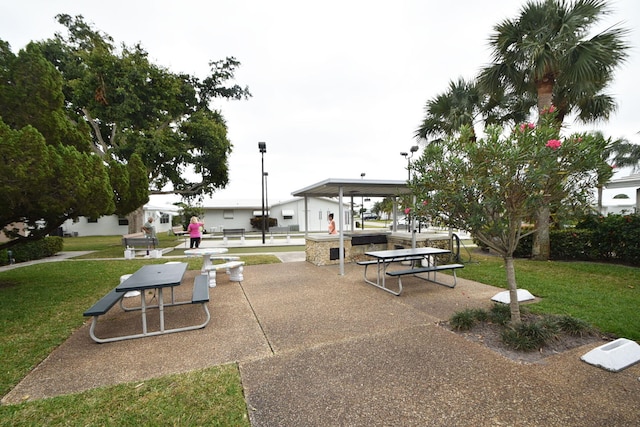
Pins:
<point x="408" y="156"/>
<point x="410" y="223"/>
<point x="262" y="146"/>
<point x="266" y="196"/>
<point x="362" y="207"/>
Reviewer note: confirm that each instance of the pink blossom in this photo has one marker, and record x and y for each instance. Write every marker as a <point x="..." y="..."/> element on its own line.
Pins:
<point x="613" y="166"/>
<point x="554" y="144"/>
<point x="424" y="203"/>
<point x="552" y="109"/>
<point x="407" y="211"/>
<point x="525" y="126"/>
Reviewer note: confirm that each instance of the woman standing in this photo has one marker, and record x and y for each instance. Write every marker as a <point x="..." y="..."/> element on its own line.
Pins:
<point x="195" y="232"/>
<point x="332" y="225"/>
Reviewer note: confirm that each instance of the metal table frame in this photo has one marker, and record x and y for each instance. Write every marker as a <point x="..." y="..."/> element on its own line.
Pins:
<point x="386" y="257"/>
<point x="157" y="277"/>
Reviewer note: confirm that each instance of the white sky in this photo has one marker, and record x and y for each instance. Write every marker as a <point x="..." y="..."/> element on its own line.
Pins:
<point x="339" y="86"/>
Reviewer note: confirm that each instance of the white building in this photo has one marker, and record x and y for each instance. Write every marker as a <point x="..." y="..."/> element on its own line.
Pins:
<point x="111" y="225"/>
<point x="221" y="214"/>
<point x="614" y="192"/>
<point x="218" y="215"/>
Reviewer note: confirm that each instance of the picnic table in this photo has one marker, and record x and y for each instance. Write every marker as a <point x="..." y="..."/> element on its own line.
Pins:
<point x="156" y="277"/>
<point x="232" y="264"/>
<point x="422" y="260"/>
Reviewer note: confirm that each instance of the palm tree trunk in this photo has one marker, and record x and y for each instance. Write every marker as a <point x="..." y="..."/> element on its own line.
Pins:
<point x="514" y="305"/>
<point x="541" y="249"/>
<point x="600" y="200"/>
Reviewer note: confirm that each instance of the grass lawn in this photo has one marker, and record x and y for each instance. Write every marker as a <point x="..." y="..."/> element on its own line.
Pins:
<point x="41" y="306"/>
<point x="605" y="295"/>
<point x="111" y="246"/>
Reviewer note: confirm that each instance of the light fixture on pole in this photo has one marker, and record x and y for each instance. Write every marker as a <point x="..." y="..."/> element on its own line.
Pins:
<point x="408" y="157"/>
<point x="262" y="146"/>
<point x="411" y="222"/>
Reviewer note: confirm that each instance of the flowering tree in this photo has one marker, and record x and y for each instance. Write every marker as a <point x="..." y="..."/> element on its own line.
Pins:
<point x="492" y="185"/>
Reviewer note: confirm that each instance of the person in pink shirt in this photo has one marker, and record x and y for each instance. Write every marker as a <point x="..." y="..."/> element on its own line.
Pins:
<point x="332" y="225"/>
<point x="195" y="231"/>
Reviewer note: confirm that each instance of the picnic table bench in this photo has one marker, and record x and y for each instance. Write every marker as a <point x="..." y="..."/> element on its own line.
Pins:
<point x="428" y="269"/>
<point x="178" y="231"/>
<point x="138" y="240"/>
<point x="200" y="295"/>
<point x="383" y="259"/>
<point x="229" y="232"/>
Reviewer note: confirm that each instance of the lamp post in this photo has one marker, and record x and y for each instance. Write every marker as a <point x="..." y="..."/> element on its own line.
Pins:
<point x="266" y="197"/>
<point x="408" y="157"/>
<point x="262" y="146"/>
<point x="362" y="206"/>
<point x="410" y="224"/>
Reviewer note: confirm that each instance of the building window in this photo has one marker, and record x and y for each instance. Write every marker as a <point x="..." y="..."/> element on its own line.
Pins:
<point x="123" y="220"/>
<point x="92" y="220"/>
<point x="227" y="214"/>
<point x="164" y="218"/>
<point x="287" y="213"/>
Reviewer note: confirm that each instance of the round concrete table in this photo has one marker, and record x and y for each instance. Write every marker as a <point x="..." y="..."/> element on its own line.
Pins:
<point x="205" y="253"/>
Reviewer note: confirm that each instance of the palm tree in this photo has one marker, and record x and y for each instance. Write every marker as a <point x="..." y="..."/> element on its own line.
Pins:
<point x="448" y="111"/>
<point x="465" y="104"/>
<point x="547" y="52"/>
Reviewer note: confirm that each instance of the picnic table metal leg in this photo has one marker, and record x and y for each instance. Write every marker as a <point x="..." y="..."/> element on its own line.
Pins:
<point x="143" y="310"/>
<point x="161" y="309"/>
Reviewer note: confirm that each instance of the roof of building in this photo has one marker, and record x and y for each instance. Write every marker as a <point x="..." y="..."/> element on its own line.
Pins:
<point x="625" y="182"/>
<point x="355" y="187"/>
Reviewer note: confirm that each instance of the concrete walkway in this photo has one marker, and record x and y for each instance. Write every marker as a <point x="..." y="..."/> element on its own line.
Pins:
<point x="319" y="349"/>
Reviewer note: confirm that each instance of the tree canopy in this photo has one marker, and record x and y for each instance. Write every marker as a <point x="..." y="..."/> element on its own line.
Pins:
<point x="90" y="129"/>
<point x="48" y="173"/>
<point x="549" y="52"/>
<point x="491" y="185"/>
<point x="135" y="106"/>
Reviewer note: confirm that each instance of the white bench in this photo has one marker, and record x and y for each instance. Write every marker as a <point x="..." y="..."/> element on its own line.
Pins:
<point x="233" y="268"/>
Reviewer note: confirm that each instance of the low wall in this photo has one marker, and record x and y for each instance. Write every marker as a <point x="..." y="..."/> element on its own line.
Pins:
<point x="321" y="248"/>
<point x="324" y="249"/>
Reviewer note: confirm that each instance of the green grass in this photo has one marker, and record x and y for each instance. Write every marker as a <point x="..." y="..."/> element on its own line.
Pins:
<point x="62" y="291"/>
<point x="111" y="246"/>
<point x="211" y="397"/>
<point x="604" y="295"/>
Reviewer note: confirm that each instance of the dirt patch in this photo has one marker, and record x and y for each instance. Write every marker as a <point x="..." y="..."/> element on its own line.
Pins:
<point x="489" y="334"/>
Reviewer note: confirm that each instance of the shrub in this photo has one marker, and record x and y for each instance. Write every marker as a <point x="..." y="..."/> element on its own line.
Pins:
<point x="256" y="222"/>
<point x="500" y="314"/>
<point x="463" y="320"/>
<point x="573" y="326"/>
<point x="36" y="249"/>
<point x="526" y="336"/>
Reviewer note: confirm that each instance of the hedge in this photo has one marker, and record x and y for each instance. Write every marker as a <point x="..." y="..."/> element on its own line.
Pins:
<point x="36" y="249"/>
<point x="595" y="238"/>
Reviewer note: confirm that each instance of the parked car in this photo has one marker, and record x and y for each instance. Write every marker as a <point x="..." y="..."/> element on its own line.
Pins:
<point x="369" y="215"/>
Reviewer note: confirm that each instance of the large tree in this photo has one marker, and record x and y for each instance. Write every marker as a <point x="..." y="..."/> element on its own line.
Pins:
<point x="134" y="106"/>
<point x="464" y="103"/>
<point x="491" y="185"/>
<point x="548" y="51"/>
<point x="48" y="172"/>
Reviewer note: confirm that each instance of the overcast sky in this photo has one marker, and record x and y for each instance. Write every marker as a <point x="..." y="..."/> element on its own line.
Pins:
<point x="339" y="86"/>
